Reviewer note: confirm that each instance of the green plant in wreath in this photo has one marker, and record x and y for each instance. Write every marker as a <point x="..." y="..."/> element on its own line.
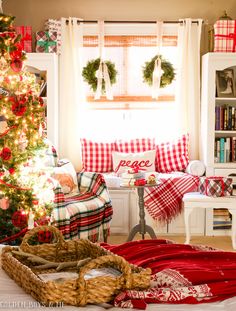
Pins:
<point x="90" y="70"/>
<point x="168" y="71"/>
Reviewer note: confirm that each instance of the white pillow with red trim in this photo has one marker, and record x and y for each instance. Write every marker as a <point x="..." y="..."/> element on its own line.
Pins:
<point x="145" y="161"/>
<point x="173" y="156"/>
<point x="135" y="145"/>
<point x="97" y="156"/>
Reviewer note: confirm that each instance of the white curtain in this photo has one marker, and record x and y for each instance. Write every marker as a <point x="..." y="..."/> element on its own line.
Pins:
<point x="71" y="97"/>
<point x="188" y="81"/>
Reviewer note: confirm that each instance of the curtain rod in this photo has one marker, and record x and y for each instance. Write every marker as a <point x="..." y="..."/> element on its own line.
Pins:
<point x="131" y="22"/>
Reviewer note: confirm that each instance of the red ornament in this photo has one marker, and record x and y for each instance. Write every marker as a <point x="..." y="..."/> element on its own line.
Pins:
<point x="41" y="102"/>
<point x="11" y="170"/>
<point x="5" y="154"/>
<point x="16" y="65"/>
<point x="45" y="236"/>
<point x="17" y="53"/>
<point x="19" y="108"/>
<point x="19" y="219"/>
<point x="140" y="182"/>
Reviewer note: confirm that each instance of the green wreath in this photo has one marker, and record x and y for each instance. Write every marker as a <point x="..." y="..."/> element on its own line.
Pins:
<point x="168" y="71"/>
<point x="89" y="73"/>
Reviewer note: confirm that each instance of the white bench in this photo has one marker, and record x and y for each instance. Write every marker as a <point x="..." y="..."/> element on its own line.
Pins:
<point x="193" y="200"/>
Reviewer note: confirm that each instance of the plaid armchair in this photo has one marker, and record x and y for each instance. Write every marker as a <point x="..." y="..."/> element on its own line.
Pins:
<point x="86" y="214"/>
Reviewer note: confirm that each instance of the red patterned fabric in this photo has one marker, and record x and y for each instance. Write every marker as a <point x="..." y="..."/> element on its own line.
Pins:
<point x="97" y="156"/>
<point x="172" y="156"/>
<point x="163" y="202"/>
<point x="186" y="274"/>
<point x="135" y="145"/>
<point x="225" y="36"/>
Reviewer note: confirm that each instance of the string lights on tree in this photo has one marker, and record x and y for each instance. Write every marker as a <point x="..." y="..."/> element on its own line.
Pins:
<point x="21" y="118"/>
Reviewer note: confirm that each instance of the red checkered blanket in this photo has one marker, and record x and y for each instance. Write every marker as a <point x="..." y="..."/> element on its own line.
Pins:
<point x="86" y="214"/>
<point x="163" y="202"/>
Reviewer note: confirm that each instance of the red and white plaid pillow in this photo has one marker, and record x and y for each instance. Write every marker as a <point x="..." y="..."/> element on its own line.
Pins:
<point x="135" y="145"/>
<point x="172" y="156"/>
<point x="97" y="156"/>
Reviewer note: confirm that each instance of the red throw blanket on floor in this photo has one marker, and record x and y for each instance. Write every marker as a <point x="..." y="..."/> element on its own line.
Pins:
<point x="180" y="273"/>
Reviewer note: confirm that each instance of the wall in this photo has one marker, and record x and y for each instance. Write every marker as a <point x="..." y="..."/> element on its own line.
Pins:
<point x="35" y="12"/>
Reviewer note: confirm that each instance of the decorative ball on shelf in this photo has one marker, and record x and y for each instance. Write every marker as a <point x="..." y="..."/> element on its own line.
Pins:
<point x="167" y="76"/>
<point x="90" y="70"/>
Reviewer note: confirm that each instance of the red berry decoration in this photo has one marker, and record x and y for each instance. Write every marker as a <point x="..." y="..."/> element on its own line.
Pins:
<point x="19" y="219"/>
<point x="45" y="236"/>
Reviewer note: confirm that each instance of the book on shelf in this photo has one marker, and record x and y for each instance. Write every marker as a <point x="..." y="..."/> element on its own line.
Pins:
<point x="225" y="118"/>
<point x="222" y="150"/>
<point x="225" y="149"/>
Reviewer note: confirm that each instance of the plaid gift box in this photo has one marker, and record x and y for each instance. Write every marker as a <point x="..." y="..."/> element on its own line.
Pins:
<point x="54" y="25"/>
<point x="225" y="36"/>
<point x="46" y="42"/>
<point x="216" y="186"/>
<point x="26" y="37"/>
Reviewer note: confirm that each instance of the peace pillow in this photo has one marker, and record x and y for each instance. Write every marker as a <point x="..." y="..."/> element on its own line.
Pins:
<point x="135" y="145"/>
<point x="173" y="156"/>
<point x="145" y="161"/>
<point x="97" y="156"/>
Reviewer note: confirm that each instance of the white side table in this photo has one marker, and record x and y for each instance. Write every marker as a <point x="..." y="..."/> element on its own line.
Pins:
<point x="193" y="200"/>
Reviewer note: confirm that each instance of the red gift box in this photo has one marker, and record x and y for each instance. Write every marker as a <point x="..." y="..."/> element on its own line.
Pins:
<point x="225" y="36"/>
<point x="26" y="37"/>
<point x="216" y="186"/>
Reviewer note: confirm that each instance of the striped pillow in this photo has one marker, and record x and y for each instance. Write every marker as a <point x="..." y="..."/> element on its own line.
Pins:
<point x="97" y="156"/>
<point x="172" y="156"/>
<point x="135" y="145"/>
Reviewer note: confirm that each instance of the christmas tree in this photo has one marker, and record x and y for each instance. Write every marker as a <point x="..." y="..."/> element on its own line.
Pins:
<point x="21" y="138"/>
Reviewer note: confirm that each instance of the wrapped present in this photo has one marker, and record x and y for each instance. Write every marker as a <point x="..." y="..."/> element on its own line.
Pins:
<point x="54" y="25"/>
<point x="46" y="42"/>
<point x="225" y="36"/>
<point x="216" y="186"/>
<point x="26" y="37"/>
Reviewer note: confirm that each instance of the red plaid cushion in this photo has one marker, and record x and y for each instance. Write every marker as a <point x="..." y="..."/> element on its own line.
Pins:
<point x="172" y="156"/>
<point x="135" y="145"/>
<point x="97" y="156"/>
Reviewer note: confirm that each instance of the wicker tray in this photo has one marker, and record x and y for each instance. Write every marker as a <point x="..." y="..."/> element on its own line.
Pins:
<point x="76" y="291"/>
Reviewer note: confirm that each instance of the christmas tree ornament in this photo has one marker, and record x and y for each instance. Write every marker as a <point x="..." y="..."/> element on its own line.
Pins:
<point x="19" y="219"/>
<point x="6" y="154"/>
<point x="3" y="65"/>
<point x="3" y="124"/>
<point x="4" y="203"/>
<point x="45" y="236"/>
<point x="16" y="65"/>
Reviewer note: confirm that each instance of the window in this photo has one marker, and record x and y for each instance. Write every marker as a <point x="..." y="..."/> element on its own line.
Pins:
<point x="132" y="112"/>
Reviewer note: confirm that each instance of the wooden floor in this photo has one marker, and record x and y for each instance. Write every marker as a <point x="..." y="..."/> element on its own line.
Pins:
<point x="221" y="242"/>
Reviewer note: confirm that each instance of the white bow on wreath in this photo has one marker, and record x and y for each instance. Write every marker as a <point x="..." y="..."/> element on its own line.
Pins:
<point x="157" y="72"/>
<point x="102" y="72"/>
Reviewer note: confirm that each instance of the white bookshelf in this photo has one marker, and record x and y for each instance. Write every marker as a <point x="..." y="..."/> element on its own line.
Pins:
<point x="211" y="64"/>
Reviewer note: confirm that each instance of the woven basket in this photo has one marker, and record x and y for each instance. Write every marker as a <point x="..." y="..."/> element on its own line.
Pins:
<point x="78" y="291"/>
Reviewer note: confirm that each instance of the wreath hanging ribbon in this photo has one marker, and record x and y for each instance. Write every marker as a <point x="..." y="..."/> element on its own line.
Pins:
<point x="102" y="72"/>
<point x="157" y="72"/>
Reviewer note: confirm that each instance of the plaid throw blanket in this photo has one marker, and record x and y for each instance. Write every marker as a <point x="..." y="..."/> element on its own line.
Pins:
<point x="163" y="202"/>
<point x="86" y="214"/>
